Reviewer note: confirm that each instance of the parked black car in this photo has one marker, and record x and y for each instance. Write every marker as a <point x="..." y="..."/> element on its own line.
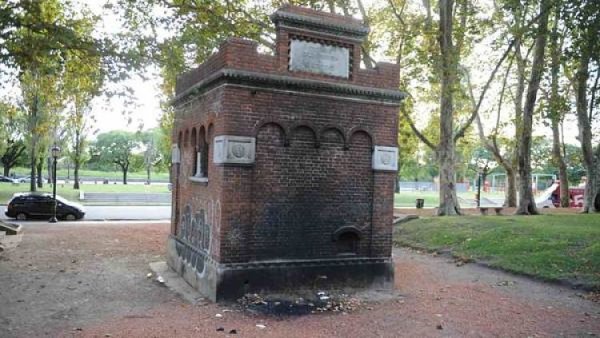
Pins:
<point x="7" y="179"/>
<point x="41" y="205"/>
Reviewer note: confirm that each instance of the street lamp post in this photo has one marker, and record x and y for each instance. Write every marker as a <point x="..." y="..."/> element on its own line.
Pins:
<point x="55" y="152"/>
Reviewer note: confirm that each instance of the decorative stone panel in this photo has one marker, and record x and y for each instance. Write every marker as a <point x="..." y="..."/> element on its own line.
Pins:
<point x="385" y="158"/>
<point x="229" y="149"/>
<point x="175" y="154"/>
<point x="319" y="58"/>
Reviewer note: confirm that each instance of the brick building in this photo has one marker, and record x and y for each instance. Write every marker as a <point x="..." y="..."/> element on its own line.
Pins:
<point x="284" y="165"/>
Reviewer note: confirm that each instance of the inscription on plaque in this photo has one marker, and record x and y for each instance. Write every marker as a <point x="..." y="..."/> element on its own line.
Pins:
<point x="234" y="149"/>
<point x="385" y="158"/>
<point x="318" y="58"/>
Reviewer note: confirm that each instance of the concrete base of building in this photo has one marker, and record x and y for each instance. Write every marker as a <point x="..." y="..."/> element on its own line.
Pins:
<point x="228" y="282"/>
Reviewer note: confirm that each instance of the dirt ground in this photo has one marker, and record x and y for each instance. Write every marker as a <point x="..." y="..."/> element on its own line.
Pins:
<point x="89" y="280"/>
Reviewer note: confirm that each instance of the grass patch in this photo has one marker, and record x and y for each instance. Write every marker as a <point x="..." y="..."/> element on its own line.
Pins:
<point x="550" y="247"/>
<point x="7" y="190"/>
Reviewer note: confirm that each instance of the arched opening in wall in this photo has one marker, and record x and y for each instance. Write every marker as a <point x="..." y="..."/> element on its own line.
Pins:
<point x="202" y="154"/>
<point x="347" y="243"/>
<point x="186" y="138"/>
<point x="180" y="145"/>
<point x="347" y="240"/>
<point x="194" y="153"/>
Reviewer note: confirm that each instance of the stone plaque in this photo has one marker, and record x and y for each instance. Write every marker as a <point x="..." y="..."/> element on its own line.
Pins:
<point x="385" y="158"/>
<point x="175" y="154"/>
<point x="234" y="149"/>
<point x="318" y="58"/>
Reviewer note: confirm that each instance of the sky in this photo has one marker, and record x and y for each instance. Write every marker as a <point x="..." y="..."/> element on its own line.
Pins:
<point x="117" y="113"/>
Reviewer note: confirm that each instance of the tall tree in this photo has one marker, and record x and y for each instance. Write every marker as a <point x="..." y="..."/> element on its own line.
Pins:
<point x="518" y="24"/>
<point x="444" y="60"/>
<point x="556" y="109"/>
<point x="527" y="204"/>
<point x="12" y="145"/>
<point x="37" y="37"/>
<point x="448" y="200"/>
<point x="583" y="22"/>
<point x="39" y="100"/>
<point x="83" y="80"/>
<point x="152" y="155"/>
<point x="495" y="144"/>
<point x="116" y="147"/>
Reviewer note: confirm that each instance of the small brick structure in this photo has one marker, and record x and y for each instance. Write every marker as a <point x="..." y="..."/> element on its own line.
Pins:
<point x="284" y="165"/>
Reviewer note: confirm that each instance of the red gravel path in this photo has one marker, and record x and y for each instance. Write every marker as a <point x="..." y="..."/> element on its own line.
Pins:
<point x="102" y="291"/>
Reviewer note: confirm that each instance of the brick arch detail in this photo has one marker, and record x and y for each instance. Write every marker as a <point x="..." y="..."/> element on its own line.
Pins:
<point x="309" y="126"/>
<point x="282" y="127"/>
<point x="355" y="130"/>
<point x="337" y="130"/>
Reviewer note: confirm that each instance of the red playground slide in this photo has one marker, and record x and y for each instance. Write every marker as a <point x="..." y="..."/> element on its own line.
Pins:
<point x="575" y="197"/>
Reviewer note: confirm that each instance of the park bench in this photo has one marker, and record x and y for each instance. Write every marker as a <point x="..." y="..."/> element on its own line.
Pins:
<point x="484" y="210"/>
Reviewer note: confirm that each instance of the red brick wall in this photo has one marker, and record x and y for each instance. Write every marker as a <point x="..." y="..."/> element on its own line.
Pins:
<point x="237" y="53"/>
<point x="312" y="173"/>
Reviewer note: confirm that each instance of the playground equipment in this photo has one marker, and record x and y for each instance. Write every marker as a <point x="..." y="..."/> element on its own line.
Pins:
<point x="550" y="198"/>
<point x="497" y="182"/>
<point x="545" y="200"/>
<point x="545" y="186"/>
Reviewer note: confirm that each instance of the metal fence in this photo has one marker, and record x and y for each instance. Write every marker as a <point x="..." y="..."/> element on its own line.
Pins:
<point x="428" y="186"/>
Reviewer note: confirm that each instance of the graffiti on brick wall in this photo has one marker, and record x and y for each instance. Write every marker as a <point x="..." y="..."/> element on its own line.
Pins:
<point x="195" y="232"/>
<point x="194" y="229"/>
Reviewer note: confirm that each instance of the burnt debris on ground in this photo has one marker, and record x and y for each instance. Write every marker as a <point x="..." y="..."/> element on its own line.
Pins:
<point x="299" y="305"/>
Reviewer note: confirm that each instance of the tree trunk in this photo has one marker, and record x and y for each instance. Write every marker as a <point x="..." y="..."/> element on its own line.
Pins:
<point x="124" y="168"/>
<point x="32" y="163"/>
<point x="11" y="156"/>
<point x="510" y="199"/>
<point x="518" y="112"/>
<point x="49" y="166"/>
<point x="558" y="159"/>
<point x="76" y="176"/>
<point x="39" y="178"/>
<point x="527" y="204"/>
<point x="77" y="158"/>
<point x="592" y="189"/>
<point x="556" y="115"/>
<point x="448" y="200"/>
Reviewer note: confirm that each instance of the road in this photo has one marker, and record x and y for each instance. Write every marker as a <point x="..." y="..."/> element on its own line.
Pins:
<point x="134" y="212"/>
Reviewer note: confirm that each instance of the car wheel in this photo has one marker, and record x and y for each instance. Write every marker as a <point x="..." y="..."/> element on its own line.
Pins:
<point x="21" y="216"/>
<point x="70" y="217"/>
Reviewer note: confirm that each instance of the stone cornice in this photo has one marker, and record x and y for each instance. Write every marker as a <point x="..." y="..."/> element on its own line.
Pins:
<point x="283" y="82"/>
<point x="319" y="24"/>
